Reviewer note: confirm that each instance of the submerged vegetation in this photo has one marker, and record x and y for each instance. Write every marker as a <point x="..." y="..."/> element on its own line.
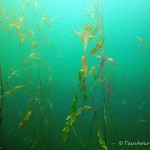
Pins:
<point x="33" y="88"/>
<point x="99" y="78"/>
<point x="34" y="64"/>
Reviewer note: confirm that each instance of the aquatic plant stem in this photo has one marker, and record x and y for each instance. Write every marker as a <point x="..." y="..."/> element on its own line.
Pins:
<point x="103" y="95"/>
<point x="2" y="100"/>
<point x="78" y="137"/>
<point x="2" y="90"/>
<point x="99" y="20"/>
<point x="91" y="130"/>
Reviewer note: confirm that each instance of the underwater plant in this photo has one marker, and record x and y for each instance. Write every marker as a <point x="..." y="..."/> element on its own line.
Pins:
<point x="32" y="77"/>
<point x="98" y="73"/>
<point x="142" y="45"/>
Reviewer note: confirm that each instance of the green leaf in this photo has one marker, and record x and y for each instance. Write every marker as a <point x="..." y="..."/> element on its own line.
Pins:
<point x="75" y="102"/>
<point x="80" y="74"/>
<point x="70" y="121"/>
<point x="101" y="141"/>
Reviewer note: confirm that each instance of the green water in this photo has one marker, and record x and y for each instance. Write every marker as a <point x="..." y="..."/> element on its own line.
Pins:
<point x="43" y="48"/>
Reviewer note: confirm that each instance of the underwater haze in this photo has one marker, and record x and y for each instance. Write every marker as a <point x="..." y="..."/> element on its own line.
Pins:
<point x="75" y="75"/>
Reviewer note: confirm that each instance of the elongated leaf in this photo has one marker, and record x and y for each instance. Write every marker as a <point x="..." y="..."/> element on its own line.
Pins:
<point x="101" y="141"/>
<point x="97" y="47"/>
<point x="91" y="70"/>
<point x="75" y="102"/>
<point x="111" y="60"/>
<point x="70" y="121"/>
<point x="33" y="56"/>
<point x="9" y="26"/>
<point x="25" y="119"/>
<point x="140" y="39"/>
<point x="84" y="64"/>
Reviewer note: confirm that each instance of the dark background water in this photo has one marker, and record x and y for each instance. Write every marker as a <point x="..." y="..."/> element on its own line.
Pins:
<point x="129" y="79"/>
